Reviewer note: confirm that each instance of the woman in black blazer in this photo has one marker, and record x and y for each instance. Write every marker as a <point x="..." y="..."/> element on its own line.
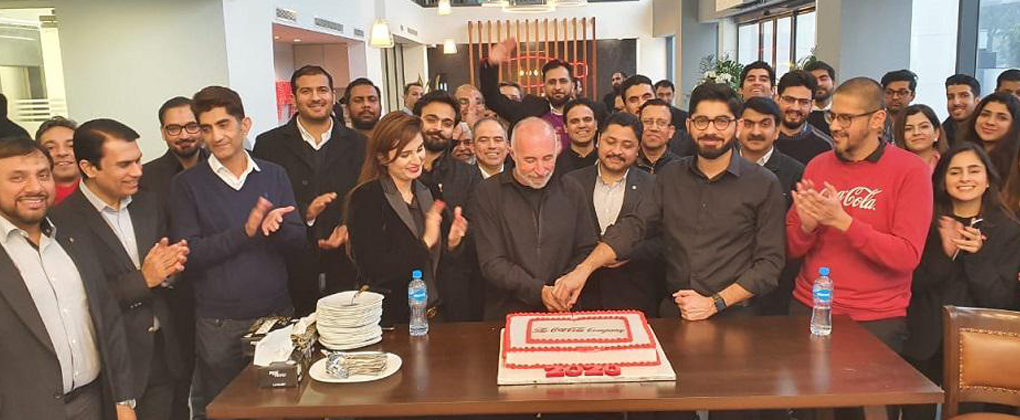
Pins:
<point x="971" y="257"/>
<point x="395" y="227"/>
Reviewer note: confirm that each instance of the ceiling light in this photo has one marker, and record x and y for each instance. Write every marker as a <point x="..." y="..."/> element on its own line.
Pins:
<point x="297" y="39"/>
<point x="445" y="8"/>
<point x="449" y="47"/>
<point x="381" y="37"/>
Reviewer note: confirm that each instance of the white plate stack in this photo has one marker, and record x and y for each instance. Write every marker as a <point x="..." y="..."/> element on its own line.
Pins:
<point x="349" y="320"/>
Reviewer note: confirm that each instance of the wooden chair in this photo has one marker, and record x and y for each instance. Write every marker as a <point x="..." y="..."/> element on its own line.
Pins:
<point x="982" y="360"/>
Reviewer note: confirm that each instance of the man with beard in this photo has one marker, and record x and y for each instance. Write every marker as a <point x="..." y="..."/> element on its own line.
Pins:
<point x="363" y="105"/>
<point x="472" y="106"/>
<point x="491" y="147"/>
<point x="758" y="135"/>
<point x="452" y="181"/>
<point x="825" y="75"/>
<point x="900" y="90"/>
<point x="665" y="90"/>
<point x="64" y="349"/>
<point x="797" y="138"/>
<point x="616" y="79"/>
<point x="757" y="79"/>
<point x="185" y="148"/>
<point x="412" y="92"/>
<point x="511" y="90"/>
<point x="57" y="136"/>
<point x="323" y="160"/>
<point x="862" y="210"/>
<point x="721" y="217"/>
<point x="612" y="191"/>
<point x="962" y="94"/>
<point x="558" y="85"/>
<point x="531" y="226"/>
<point x="582" y="128"/>
<point x="655" y="139"/>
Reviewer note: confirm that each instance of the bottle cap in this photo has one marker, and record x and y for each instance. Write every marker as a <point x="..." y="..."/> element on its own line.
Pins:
<point x="416" y="274"/>
<point x="824" y="271"/>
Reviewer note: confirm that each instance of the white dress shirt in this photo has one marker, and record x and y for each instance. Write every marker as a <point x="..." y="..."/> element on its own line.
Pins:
<point x="119" y="220"/>
<point x="310" y="139"/>
<point x="765" y="158"/>
<point x="608" y="199"/>
<point x="53" y="281"/>
<point x="486" y="174"/>
<point x="235" y="182"/>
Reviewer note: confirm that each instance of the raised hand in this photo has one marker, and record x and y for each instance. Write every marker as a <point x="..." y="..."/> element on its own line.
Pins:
<point x="271" y="223"/>
<point x="162" y="261"/>
<point x="433" y="219"/>
<point x="255" y="217"/>
<point x="336" y="239"/>
<point x="500" y="53"/>
<point x="805" y="210"/>
<point x="457" y="230"/>
<point x="318" y="205"/>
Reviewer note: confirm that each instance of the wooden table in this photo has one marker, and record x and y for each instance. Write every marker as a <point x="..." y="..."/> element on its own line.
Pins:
<point x="721" y="364"/>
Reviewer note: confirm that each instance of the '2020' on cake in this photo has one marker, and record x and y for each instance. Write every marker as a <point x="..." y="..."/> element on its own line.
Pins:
<point x="609" y="346"/>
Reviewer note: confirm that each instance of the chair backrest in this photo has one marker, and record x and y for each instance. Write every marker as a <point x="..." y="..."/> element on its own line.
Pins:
<point x="982" y="357"/>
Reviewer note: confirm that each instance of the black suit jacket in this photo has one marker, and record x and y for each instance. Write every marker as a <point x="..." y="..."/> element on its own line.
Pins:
<point x="158" y="173"/>
<point x="638" y="284"/>
<point x="789" y="171"/>
<point x="31" y="386"/>
<point x="138" y="302"/>
<point x="341" y="166"/>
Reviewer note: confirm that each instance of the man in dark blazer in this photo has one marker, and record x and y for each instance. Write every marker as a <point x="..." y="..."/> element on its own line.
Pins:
<point x="757" y="145"/>
<point x="127" y="227"/>
<point x="65" y="352"/>
<point x="323" y="160"/>
<point x="612" y="188"/>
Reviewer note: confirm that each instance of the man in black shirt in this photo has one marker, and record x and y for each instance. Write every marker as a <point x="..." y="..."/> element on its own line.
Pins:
<point x="609" y="98"/>
<point x="825" y="75"/>
<point x="962" y="94"/>
<point x="582" y="128"/>
<point x="722" y="219"/>
<point x="7" y="127"/>
<point x="655" y="139"/>
<point x="665" y="90"/>
<point x="900" y="90"/>
<point x="797" y="138"/>
<point x="362" y="100"/>
<point x="530" y="226"/>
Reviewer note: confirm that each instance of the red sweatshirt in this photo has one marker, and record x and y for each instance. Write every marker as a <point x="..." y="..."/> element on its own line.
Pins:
<point x="889" y="197"/>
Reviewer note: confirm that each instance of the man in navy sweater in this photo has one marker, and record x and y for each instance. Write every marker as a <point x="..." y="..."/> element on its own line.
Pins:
<point x="237" y="214"/>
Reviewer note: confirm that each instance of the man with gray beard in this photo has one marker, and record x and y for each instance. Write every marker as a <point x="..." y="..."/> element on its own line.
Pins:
<point x="530" y="227"/>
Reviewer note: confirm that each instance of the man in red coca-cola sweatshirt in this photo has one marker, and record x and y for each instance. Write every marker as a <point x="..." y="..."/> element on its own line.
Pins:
<point x="863" y="210"/>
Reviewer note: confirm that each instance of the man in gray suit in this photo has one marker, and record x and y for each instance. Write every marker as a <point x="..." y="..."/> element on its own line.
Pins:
<point x="127" y="227"/>
<point x="61" y="328"/>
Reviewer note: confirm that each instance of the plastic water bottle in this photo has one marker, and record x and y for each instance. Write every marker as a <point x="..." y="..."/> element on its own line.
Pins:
<point x="821" y="316"/>
<point x="417" y="297"/>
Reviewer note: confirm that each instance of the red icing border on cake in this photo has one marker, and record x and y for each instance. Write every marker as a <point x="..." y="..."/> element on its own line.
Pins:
<point x="528" y="339"/>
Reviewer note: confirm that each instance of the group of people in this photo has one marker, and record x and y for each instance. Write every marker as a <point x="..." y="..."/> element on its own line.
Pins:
<point x="128" y="287"/>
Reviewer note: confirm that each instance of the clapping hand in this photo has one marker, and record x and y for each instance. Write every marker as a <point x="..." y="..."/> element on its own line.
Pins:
<point x="256" y="216"/>
<point x="457" y="230"/>
<point x="433" y="220"/>
<point x="274" y="219"/>
<point x="823" y="207"/>
<point x="163" y="261"/>
<point x="805" y="210"/>
<point x="336" y="239"/>
<point x="318" y="205"/>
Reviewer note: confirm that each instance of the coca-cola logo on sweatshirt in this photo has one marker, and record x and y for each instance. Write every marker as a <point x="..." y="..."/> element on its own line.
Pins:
<point x="860" y="197"/>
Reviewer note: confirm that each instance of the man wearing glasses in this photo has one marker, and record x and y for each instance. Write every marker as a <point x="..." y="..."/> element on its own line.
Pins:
<point x="655" y="137"/>
<point x="721" y="219"/>
<point x="797" y="138"/>
<point x="900" y="89"/>
<point x="863" y="211"/>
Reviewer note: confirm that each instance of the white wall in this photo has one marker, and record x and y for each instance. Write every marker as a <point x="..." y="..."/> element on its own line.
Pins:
<point x="248" y="26"/>
<point x="651" y="58"/>
<point x="283" y="60"/>
<point x="416" y="63"/>
<point x="124" y="58"/>
<point x="934" y="27"/>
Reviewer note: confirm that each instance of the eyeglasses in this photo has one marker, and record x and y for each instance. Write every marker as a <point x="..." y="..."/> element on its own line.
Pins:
<point x="903" y="93"/>
<point x="175" y="129"/>
<point x="656" y="123"/>
<point x="720" y="123"/>
<point x="845" y="120"/>
<point x="789" y="100"/>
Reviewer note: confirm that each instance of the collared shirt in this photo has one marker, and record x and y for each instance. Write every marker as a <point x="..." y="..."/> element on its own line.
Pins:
<point x="235" y="182"/>
<point x="53" y="281"/>
<point x="310" y="139"/>
<point x="873" y="157"/>
<point x="608" y="199"/>
<point x="118" y="219"/>
<point x="644" y="164"/>
<point x="765" y="158"/>
<point x="487" y="175"/>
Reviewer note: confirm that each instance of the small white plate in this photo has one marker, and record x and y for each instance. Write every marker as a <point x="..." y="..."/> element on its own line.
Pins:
<point x="318" y="371"/>
<point x="350" y="346"/>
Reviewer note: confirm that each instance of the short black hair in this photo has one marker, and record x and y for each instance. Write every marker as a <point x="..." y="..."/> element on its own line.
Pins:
<point x="174" y="102"/>
<point x="965" y="79"/>
<point x="213" y="97"/>
<point x="717" y="92"/>
<point x="553" y="64"/>
<point x="764" y="106"/>
<point x="635" y="80"/>
<point x="91" y="135"/>
<point x="22" y="146"/>
<point x="361" y="81"/>
<point x="665" y="83"/>
<point x="757" y="65"/>
<point x="625" y="119"/>
<point x="623" y="74"/>
<point x="407" y="87"/>
<point x="1011" y="75"/>
<point x="309" y="70"/>
<point x="903" y="75"/>
<point x="798" y="78"/>
<point x="585" y="102"/>
<point x="656" y="102"/>
<point x="440" y="96"/>
<point x="821" y="65"/>
<point x="54" y="121"/>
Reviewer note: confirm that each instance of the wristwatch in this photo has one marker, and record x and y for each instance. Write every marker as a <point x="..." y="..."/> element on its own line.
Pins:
<point x="128" y="403"/>
<point x="720" y="304"/>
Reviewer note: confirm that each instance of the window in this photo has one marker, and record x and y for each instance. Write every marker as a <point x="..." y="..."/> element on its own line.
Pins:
<point x="31" y="73"/>
<point x="670" y="57"/>
<point x="998" y="40"/>
<point x="781" y="40"/>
